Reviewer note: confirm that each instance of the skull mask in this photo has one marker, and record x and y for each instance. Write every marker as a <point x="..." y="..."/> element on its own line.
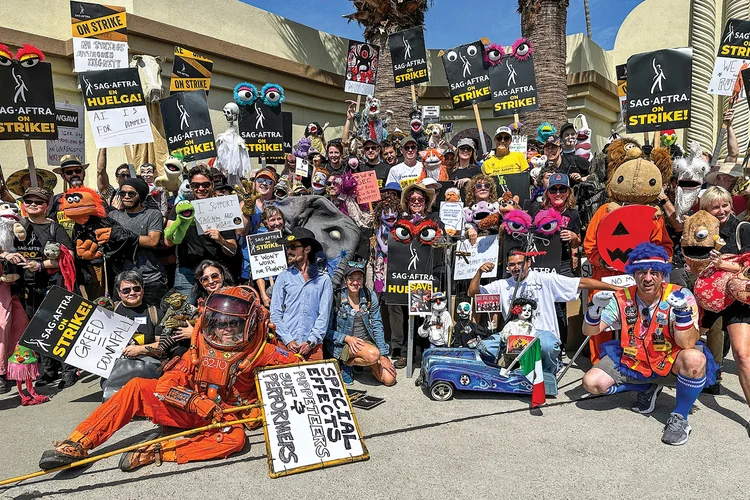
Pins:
<point x="231" y="112"/>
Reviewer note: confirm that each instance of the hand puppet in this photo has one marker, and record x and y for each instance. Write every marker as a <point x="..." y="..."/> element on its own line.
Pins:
<point x="438" y="326"/>
<point x="185" y="218"/>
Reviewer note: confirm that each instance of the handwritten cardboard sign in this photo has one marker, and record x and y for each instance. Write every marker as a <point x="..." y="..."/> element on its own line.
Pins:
<point x="73" y="330"/>
<point x="267" y="257"/>
<point x="71" y="137"/>
<point x="452" y="216"/>
<point x="367" y="187"/>
<point x="485" y="250"/>
<point x="309" y="420"/>
<point x="222" y="213"/>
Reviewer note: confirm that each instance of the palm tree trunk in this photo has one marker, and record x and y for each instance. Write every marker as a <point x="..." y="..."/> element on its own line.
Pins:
<point x="397" y="100"/>
<point x="543" y="22"/>
<point x="588" y="17"/>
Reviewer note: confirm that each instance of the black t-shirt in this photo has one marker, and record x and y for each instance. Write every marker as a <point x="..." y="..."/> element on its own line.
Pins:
<point x="37" y="237"/>
<point x="571" y="163"/>
<point x="381" y="171"/>
<point x="197" y="247"/>
<point x="571" y="222"/>
<point x="140" y="314"/>
<point x="466" y="172"/>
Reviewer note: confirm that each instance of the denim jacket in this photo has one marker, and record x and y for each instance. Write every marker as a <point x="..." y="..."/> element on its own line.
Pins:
<point x="343" y="322"/>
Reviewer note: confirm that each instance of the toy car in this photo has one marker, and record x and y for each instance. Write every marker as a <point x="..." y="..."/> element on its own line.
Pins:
<point x="445" y="370"/>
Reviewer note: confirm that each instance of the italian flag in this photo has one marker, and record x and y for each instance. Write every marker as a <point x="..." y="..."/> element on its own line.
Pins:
<point x="530" y="361"/>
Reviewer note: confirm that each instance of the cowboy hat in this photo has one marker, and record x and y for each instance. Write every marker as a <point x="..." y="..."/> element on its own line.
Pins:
<point x="68" y="161"/>
<point x="428" y="192"/>
<point x="49" y="181"/>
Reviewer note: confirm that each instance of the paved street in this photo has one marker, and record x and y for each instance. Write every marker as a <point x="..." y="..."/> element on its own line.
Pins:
<point x="475" y="446"/>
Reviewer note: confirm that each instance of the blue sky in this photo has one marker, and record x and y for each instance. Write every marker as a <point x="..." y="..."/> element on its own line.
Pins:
<point x="447" y="26"/>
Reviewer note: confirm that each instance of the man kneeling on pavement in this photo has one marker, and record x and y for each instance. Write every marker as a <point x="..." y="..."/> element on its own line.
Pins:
<point x="658" y="345"/>
<point x="543" y="288"/>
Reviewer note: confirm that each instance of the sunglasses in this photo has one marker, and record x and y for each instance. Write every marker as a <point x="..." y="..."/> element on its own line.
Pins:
<point x="201" y="185"/>
<point x="482" y="185"/>
<point x="34" y="202"/>
<point x="371" y="148"/>
<point x="293" y="247"/>
<point x="127" y="194"/>
<point x="409" y="148"/>
<point x="359" y="265"/>
<point x="127" y="290"/>
<point x="465" y="149"/>
<point x="265" y="181"/>
<point x="123" y="176"/>
<point x="72" y="171"/>
<point x="232" y="323"/>
<point x="416" y="199"/>
<point x="503" y="138"/>
<point x="210" y="277"/>
<point x="558" y="190"/>
<point x="330" y="183"/>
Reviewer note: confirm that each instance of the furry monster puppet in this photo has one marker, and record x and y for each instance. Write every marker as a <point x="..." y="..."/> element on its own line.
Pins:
<point x="700" y="235"/>
<point x="96" y="235"/>
<point x="372" y="126"/>
<point x="171" y="179"/>
<point x="691" y="170"/>
<point x="432" y="160"/>
<point x="386" y="215"/>
<point x="416" y="129"/>
<point x="314" y="133"/>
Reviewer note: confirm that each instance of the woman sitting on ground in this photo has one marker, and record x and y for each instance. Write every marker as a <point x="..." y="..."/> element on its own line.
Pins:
<point x="356" y="335"/>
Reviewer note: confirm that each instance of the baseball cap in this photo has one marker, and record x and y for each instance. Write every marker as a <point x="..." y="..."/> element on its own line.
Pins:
<point x="354" y="267"/>
<point x="558" y="179"/>
<point x="268" y="173"/>
<point x="468" y="142"/>
<point x="553" y="139"/>
<point x="407" y="140"/>
<point x="37" y="192"/>
<point x="370" y="139"/>
<point x="502" y="129"/>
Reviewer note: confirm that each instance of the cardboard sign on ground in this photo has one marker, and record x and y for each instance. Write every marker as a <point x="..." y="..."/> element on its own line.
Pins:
<point x="73" y="330"/>
<point x="309" y="421"/>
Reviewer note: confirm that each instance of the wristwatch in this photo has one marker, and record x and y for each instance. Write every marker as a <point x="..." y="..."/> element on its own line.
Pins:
<point x="663" y="202"/>
<point x="311" y="344"/>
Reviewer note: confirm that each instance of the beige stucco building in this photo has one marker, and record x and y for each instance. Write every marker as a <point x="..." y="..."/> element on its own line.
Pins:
<point x="249" y="44"/>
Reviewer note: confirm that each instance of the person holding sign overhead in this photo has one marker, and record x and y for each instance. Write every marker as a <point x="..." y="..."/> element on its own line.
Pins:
<point x="504" y="161"/>
<point x="192" y="247"/>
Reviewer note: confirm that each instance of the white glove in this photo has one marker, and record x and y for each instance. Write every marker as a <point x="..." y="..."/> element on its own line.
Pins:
<point x="677" y="300"/>
<point x="598" y="303"/>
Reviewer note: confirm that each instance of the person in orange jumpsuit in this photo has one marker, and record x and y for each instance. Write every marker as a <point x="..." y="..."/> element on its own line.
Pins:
<point x="228" y="343"/>
<point x="659" y="236"/>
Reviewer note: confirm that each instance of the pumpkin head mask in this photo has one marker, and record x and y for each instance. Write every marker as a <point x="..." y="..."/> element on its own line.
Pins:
<point x="700" y="235"/>
<point x="80" y="203"/>
<point x="621" y="230"/>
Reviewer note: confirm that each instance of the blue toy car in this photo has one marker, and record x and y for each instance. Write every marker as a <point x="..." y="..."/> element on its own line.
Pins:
<point x="445" y="370"/>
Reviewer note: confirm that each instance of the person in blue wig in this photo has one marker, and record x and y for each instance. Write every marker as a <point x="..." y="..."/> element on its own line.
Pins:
<point x="658" y="343"/>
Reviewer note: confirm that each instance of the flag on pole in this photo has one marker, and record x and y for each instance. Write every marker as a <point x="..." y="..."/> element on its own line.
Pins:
<point x="530" y="361"/>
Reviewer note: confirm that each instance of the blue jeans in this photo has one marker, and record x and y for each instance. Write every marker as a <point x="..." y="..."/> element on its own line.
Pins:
<point x="550" y="349"/>
<point x="183" y="280"/>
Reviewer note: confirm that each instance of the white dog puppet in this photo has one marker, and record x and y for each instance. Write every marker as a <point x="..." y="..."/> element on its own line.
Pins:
<point x="438" y="326"/>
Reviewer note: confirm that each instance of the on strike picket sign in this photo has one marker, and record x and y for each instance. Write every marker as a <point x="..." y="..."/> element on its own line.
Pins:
<point x="187" y="125"/>
<point x="659" y="90"/>
<point x="222" y="213"/>
<point x="116" y="108"/>
<point x="267" y="256"/>
<point x="71" y="137"/>
<point x="27" y="101"/>
<point x="262" y="128"/>
<point x="513" y="83"/>
<point x="190" y="72"/>
<point x="408" y="57"/>
<point x="309" y="422"/>
<point x="732" y="57"/>
<point x="100" y="36"/>
<point x="73" y="330"/>
<point x="468" y="79"/>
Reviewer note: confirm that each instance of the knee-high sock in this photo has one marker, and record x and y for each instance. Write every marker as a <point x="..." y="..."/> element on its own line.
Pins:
<point x="628" y="387"/>
<point x="687" y="392"/>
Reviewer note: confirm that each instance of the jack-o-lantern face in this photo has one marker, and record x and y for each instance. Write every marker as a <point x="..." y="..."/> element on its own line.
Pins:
<point x="621" y="230"/>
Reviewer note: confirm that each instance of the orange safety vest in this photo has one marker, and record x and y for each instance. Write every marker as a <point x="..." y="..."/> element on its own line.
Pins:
<point x="657" y="350"/>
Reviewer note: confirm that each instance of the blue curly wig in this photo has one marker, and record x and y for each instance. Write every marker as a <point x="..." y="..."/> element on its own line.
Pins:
<point x="272" y="94"/>
<point x="245" y="94"/>
<point x="644" y="251"/>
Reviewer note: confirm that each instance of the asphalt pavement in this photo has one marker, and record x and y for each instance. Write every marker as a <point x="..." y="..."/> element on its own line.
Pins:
<point x="474" y="446"/>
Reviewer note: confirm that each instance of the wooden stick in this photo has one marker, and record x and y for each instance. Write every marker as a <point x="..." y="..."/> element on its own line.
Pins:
<point x="413" y="95"/>
<point x="129" y="158"/>
<point x="30" y="161"/>
<point x="479" y="127"/>
<point x="359" y="101"/>
<point x="85" y="461"/>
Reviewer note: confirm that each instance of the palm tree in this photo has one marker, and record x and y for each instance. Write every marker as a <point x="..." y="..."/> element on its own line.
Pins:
<point x="543" y="22"/>
<point x="588" y="18"/>
<point x="380" y="18"/>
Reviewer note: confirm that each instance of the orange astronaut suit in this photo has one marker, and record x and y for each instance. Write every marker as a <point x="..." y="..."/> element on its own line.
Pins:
<point x="217" y="372"/>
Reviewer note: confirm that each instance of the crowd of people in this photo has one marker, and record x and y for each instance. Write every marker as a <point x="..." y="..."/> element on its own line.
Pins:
<point x="162" y="263"/>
